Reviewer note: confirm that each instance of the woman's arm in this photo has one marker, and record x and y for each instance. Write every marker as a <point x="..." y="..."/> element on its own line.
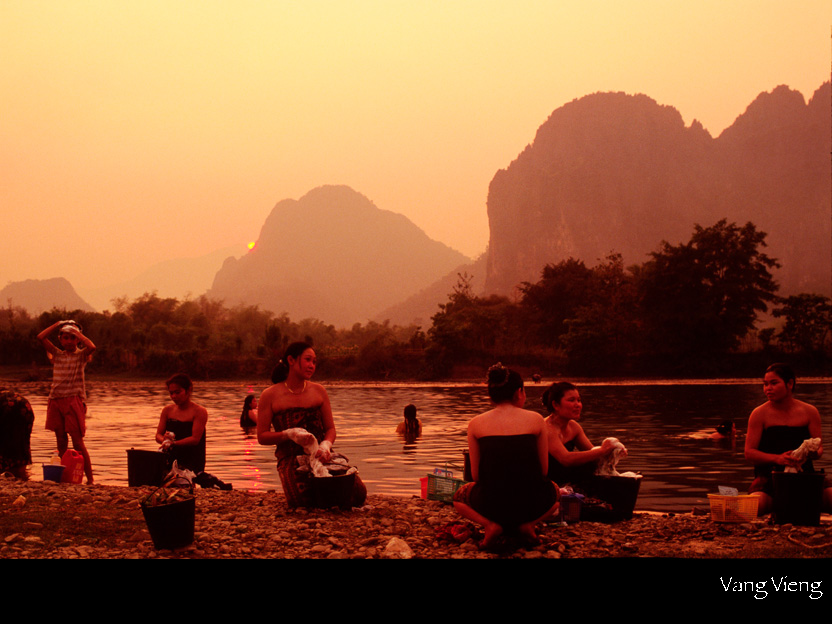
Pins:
<point x="163" y="424"/>
<point x="325" y="446"/>
<point x="44" y="338"/>
<point x="815" y="429"/>
<point x="473" y="453"/>
<point x="586" y="455"/>
<point x="89" y="347"/>
<point x="265" y="435"/>
<point x="752" y="443"/>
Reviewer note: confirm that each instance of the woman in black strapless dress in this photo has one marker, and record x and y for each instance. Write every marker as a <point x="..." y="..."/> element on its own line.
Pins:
<point x="509" y="458"/>
<point x="775" y="429"/>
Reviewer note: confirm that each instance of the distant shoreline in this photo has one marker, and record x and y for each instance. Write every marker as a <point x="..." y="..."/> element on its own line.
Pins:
<point x="22" y="374"/>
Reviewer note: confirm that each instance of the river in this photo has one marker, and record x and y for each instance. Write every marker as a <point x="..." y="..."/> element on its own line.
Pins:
<point x="664" y="426"/>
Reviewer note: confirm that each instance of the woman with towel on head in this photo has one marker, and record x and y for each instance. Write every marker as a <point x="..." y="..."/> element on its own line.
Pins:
<point x="509" y="456"/>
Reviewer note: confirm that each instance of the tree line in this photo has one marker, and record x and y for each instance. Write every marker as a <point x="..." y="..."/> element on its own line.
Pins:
<point x="690" y="309"/>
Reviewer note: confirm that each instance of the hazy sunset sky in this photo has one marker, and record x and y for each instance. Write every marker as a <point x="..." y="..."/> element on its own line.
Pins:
<point x="133" y="132"/>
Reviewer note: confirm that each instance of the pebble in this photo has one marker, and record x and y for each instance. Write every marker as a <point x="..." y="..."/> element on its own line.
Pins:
<point x="40" y="519"/>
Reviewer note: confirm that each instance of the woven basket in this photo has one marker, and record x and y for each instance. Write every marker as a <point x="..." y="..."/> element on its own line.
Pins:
<point x="442" y="488"/>
<point x="736" y="509"/>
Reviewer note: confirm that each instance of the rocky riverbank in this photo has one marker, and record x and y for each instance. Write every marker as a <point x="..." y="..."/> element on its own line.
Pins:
<point x="46" y="520"/>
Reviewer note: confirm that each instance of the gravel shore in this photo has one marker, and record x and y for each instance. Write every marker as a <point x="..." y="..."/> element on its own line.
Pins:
<point x="46" y="520"/>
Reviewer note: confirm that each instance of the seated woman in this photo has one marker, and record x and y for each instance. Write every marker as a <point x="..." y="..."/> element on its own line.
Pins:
<point x="573" y="459"/>
<point x="775" y="429"/>
<point x="295" y="402"/>
<point x="248" y="418"/>
<point x="186" y="421"/>
<point x="410" y="427"/>
<point x="508" y="454"/>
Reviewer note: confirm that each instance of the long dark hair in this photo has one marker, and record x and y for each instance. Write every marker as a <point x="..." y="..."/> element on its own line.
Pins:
<point x="411" y="423"/>
<point x="245" y="417"/>
<point x="503" y="383"/>
<point x="554" y="393"/>
<point x="294" y="350"/>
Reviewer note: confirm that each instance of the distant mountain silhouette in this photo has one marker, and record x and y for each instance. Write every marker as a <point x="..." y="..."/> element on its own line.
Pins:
<point x="37" y="296"/>
<point x="419" y="308"/>
<point x="612" y="172"/>
<point x="333" y="255"/>
<point x="172" y="278"/>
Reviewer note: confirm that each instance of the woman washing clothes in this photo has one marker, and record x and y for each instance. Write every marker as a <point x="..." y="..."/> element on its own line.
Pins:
<point x="186" y="421"/>
<point x="295" y="402"/>
<point x="181" y="431"/>
<point x="509" y="456"/>
<point x="573" y="459"/>
<point x="777" y="428"/>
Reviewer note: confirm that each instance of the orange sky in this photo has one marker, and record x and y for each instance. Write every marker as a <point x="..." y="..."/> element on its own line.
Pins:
<point x="136" y="131"/>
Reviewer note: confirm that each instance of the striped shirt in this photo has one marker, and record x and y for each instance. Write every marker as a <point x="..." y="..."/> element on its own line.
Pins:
<point x="68" y="374"/>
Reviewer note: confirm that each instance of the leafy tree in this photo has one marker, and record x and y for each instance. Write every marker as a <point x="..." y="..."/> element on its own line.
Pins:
<point x="555" y="298"/>
<point x="700" y="298"/>
<point x="808" y="322"/>
<point x="605" y="328"/>
<point x="470" y="329"/>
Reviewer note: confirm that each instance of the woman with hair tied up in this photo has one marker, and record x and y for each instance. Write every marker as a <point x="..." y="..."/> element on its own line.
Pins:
<point x="294" y="401"/>
<point x="508" y="451"/>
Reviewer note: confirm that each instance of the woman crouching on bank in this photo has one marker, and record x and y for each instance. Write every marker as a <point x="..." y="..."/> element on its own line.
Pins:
<point x="776" y="429"/>
<point x="508" y="452"/>
<point x="296" y="402"/>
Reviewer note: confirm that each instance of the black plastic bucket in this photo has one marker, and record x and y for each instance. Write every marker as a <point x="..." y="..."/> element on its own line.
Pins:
<point x="798" y="497"/>
<point x="620" y="492"/>
<point x="146" y="467"/>
<point x="171" y="525"/>
<point x="334" y="491"/>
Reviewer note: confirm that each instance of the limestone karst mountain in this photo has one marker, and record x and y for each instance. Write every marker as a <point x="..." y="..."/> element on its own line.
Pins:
<point x="333" y="255"/>
<point x="612" y="172"/>
<point x="37" y="296"/>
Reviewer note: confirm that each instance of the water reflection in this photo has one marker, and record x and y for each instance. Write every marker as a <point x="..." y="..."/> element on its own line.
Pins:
<point x="657" y="422"/>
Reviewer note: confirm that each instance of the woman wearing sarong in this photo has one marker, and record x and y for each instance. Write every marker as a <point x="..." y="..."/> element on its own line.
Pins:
<point x="573" y="459"/>
<point x="508" y="453"/>
<point x="296" y="402"/>
<point x="776" y="429"/>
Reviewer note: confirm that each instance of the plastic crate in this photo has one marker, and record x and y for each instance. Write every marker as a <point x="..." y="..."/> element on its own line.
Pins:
<point x="742" y="508"/>
<point x="442" y="487"/>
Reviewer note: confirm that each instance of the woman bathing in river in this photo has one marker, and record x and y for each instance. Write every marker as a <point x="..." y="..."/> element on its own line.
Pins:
<point x="295" y="401"/>
<point x="509" y="456"/>
<point x="775" y="429"/>
<point x="248" y="417"/>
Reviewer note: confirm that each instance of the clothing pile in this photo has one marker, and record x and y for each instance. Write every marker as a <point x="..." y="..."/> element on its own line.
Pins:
<point x="607" y="464"/>
<point x="337" y="464"/>
<point x="802" y="453"/>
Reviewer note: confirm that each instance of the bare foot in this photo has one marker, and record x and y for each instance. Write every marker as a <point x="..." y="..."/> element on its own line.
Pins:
<point x="492" y="532"/>
<point x="528" y="533"/>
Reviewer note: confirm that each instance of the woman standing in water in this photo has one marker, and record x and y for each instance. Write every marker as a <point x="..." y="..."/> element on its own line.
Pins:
<point x="248" y="417"/>
<point x="410" y="427"/>
<point x="508" y="453"/>
<point x="294" y="401"/>
<point x="572" y="457"/>
<point x="775" y="429"/>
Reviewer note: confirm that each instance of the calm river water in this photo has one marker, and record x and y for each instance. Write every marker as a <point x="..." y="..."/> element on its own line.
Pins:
<point x="662" y="424"/>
